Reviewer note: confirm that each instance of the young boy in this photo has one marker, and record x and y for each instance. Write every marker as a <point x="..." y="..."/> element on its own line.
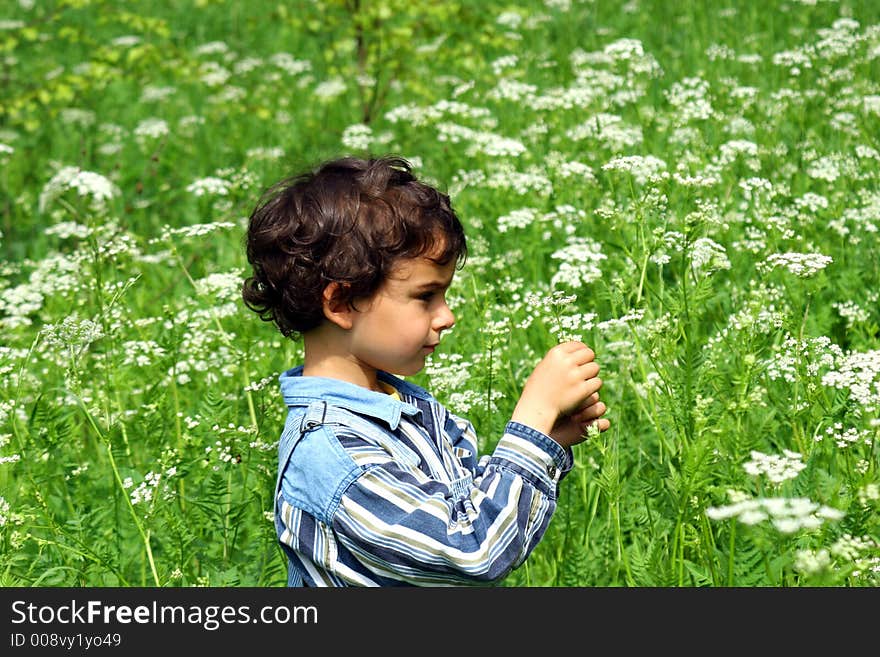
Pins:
<point x="378" y="483"/>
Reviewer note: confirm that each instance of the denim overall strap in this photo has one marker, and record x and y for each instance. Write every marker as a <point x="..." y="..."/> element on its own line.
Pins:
<point x="311" y="419"/>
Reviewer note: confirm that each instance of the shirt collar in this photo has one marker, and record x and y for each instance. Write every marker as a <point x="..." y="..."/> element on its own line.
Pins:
<point x="299" y="390"/>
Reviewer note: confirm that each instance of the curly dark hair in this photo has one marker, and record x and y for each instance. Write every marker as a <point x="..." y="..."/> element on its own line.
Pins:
<point x="347" y="221"/>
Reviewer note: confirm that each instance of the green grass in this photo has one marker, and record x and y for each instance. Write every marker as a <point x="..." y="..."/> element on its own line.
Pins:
<point x="124" y="356"/>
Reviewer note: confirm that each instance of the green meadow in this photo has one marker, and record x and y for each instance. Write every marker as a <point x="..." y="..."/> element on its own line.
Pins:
<point x="692" y="189"/>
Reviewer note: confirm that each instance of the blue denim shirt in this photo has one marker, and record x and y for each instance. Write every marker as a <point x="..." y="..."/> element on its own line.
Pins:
<point x="376" y="491"/>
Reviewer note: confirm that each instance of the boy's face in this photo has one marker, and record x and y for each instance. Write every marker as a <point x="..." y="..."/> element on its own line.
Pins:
<point x="400" y="325"/>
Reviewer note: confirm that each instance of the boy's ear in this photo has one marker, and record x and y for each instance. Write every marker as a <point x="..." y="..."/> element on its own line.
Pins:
<point x="336" y="309"/>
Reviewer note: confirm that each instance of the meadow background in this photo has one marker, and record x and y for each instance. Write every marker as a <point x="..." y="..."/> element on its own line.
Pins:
<point x="690" y="188"/>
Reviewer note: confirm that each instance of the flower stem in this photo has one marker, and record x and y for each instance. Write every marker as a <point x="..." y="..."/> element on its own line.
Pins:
<point x="145" y="536"/>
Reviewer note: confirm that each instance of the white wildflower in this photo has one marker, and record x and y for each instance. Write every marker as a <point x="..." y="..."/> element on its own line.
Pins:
<point x="520" y="218"/>
<point x="67" y="229"/>
<point x="357" y="137"/>
<point x="812" y="563"/>
<point x="690" y="100"/>
<point x="151" y="128"/>
<point x="221" y="286"/>
<point x="289" y="63"/>
<point x="859" y="374"/>
<point x="210" y="185"/>
<point x="776" y="468"/>
<point x="708" y="255"/>
<point x="4" y="511"/>
<point x="212" y="48"/>
<point x="641" y="167"/>
<point x="803" y="265"/>
<point x="509" y="19"/>
<point x="580" y="262"/>
<point x="94" y="186"/>
<point x="846" y="437"/>
<point x="851" y="312"/>
<point x="77" y="116"/>
<point x="141" y="353"/>
<point x="330" y="89"/>
<point x="787" y="515"/>
<point x="213" y="74"/>
<point x="265" y="153"/>
<point x="154" y="93"/>
<point x="126" y="40"/>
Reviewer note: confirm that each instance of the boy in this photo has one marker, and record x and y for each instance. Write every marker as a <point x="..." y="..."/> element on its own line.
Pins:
<point x="379" y="484"/>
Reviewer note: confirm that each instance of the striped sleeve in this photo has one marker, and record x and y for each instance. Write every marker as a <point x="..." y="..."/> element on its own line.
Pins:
<point x="401" y="524"/>
<point x="534" y="455"/>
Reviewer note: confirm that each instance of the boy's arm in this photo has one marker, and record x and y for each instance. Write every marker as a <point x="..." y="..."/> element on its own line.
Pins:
<point x="401" y="524"/>
<point x="483" y="524"/>
<point x="464" y="440"/>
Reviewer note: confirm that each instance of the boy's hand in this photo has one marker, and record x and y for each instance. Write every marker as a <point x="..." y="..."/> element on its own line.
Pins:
<point x="560" y="385"/>
<point x="572" y="429"/>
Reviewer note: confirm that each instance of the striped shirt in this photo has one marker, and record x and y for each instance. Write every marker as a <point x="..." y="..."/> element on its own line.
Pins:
<point x="388" y="490"/>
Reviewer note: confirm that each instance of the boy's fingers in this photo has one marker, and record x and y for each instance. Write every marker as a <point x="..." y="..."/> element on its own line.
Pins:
<point x="588" y="370"/>
<point x="572" y="345"/>
<point x="603" y="424"/>
<point x="591" y="412"/>
<point x="593" y="385"/>
<point x="589" y="401"/>
<point x="583" y="353"/>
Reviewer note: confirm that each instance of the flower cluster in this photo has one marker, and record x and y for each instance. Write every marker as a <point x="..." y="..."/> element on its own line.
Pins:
<point x="519" y="218"/>
<point x="145" y="491"/>
<point x="580" y="262"/>
<point x="94" y="186"/>
<point x="641" y="167"/>
<point x="210" y="185"/>
<point x="707" y="255"/>
<point x="141" y="353"/>
<point x="193" y="230"/>
<point x="151" y="128"/>
<point x="809" y="356"/>
<point x="776" y="468"/>
<point x="71" y="336"/>
<point x="803" y="265"/>
<point x="222" y="286"/>
<point x="481" y="141"/>
<point x="859" y="374"/>
<point x="787" y="515"/>
<point x="557" y="310"/>
<point x="609" y="129"/>
<point x="357" y="136"/>
<point x="846" y="437"/>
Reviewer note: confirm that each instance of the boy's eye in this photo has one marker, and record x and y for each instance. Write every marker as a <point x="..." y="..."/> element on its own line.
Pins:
<point x="426" y="296"/>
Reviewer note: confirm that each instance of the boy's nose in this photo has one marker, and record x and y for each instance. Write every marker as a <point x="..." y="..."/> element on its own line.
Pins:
<point x="445" y="319"/>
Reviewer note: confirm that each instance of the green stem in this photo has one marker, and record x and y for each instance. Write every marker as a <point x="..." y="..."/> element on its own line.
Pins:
<point x="489" y="385"/>
<point x="616" y="516"/>
<point x="13" y="417"/>
<point x="645" y="260"/>
<point x="731" y="552"/>
<point x="688" y="373"/>
<point x="181" y="486"/>
<point x="621" y="552"/>
<point x="145" y="537"/>
<point x="226" y="516"/>
<point x="680" y="531"/>
<point x="709" y="539"/>
<point x="676" y="535"/>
